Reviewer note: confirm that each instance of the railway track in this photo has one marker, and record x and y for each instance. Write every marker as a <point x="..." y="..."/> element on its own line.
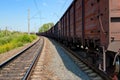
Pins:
<point x="92" y="72"/>
<point x="20" y="66"/>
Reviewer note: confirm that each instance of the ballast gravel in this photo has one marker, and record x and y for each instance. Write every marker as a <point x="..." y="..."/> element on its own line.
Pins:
<point x="55" y="64"/>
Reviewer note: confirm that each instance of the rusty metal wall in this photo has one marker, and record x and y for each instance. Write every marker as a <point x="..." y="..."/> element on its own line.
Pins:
<point x="56" y="31"/>
<point x="78" y="18"/>
<point x="97" y="21"/>
<point x="104" y="16"/>
<point x="115" y="20"/>
<point x="65" y="20"/>
<point x="72" y="21"/>
<point x="91" y="28"/>
<point x="59" y="28"/>
<point x="67" y="24"/>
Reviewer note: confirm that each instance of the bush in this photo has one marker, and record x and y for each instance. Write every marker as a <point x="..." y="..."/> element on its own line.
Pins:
<point x="6" y="47"/>
<point x="24" y="38"/>
<point x="16" y="40"/>
<point x="5" y="40"/>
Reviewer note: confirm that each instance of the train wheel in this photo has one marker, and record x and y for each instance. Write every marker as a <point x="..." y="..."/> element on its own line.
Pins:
<point x="117" y="65"/>
<point x="116" y="69"/>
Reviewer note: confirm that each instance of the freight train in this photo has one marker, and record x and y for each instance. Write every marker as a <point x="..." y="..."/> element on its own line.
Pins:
<point x="93" y="25"/>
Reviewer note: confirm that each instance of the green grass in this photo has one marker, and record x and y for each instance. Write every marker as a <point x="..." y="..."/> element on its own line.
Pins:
<point x="14" y="40"/>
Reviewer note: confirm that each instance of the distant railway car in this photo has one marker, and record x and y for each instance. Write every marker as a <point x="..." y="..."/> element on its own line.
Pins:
<point x="56" y="36"/>
<point x="93" y="25"/>
<point x="50" y="32"/>
<point x="59" y="30"/>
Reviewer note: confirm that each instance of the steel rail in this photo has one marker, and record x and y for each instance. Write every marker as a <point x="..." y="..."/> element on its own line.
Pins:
<point x="101" y="73"/>
<point x="34" y="62"/>
<point x="15" y="56"/>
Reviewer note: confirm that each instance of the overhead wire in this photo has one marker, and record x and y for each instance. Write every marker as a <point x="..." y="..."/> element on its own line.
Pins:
<point x="36" y="5"/>
<point x="60" y="9"/>
<point x="38" y="11"/>
<point x="63" y="5"/>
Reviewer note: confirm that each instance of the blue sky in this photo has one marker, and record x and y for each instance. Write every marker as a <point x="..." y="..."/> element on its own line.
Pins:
<point x="14" y="13"/>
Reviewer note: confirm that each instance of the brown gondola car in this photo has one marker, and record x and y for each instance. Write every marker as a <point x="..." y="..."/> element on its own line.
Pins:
<point x="93" y="25"/>
<point x="56" y="36"/>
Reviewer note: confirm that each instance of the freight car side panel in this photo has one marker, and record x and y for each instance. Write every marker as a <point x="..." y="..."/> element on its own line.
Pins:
<point x="115" y="8"/>
<point x="59" y="30"/>
<point x="114" y="25"/>
<point x="67" y="24"/>
<point x="78" y="18"/>
<point x="97" y="21"/>
<point x="115" y="19"/>
<point x="72" y="22"/>
<point x="91" y="29"/>
<point x="61" y="21"/>
<point x="63" y="18"/>
<point x="65" y="28"/>
<point x="52" y="32"/>
<point x="62" y="28"/>
<point x="103" y="20"/>
<point x="56" y="31"/>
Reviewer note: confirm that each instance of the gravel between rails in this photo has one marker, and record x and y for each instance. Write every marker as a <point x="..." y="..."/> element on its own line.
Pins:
<point x="55" y="64"/>
<point x="17" y="68"/>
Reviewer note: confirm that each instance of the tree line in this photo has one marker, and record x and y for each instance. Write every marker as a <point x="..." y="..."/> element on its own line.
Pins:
<point x="46" y="27"/>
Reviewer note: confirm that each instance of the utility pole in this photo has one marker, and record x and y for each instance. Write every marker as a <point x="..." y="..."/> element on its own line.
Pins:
<point x="28" y="21"/>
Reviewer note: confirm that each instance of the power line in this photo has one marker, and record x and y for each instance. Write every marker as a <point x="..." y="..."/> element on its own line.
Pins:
<point x="38" y="13"/>
<point x="63" y="5"/>
<point x="35" y="15"/>
<point x="36" y="5"/>
<point x="61" y="8"/>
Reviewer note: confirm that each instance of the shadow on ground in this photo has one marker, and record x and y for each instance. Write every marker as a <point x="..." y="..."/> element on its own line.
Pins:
<point x="68" y="62"/>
